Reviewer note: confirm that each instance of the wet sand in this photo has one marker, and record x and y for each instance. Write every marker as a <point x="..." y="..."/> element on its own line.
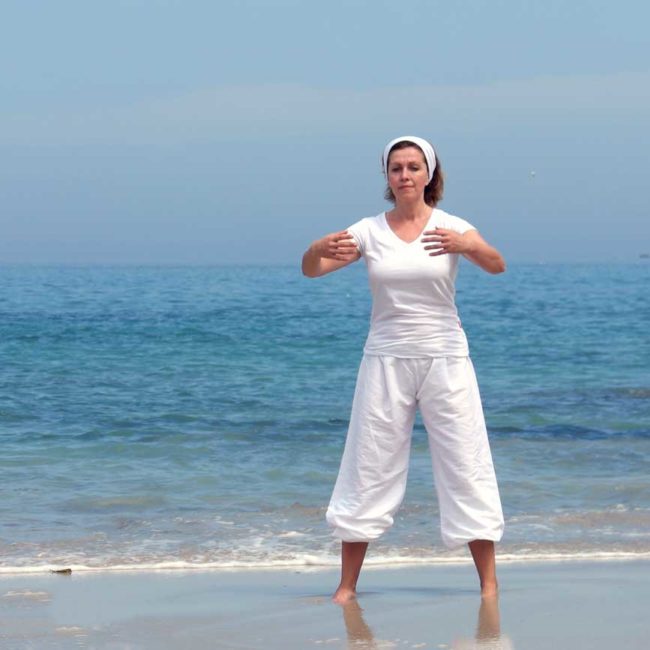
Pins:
<point x="573" y="605"/>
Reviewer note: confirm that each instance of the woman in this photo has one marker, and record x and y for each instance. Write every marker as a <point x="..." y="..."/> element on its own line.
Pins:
<point x="416" y="356"/>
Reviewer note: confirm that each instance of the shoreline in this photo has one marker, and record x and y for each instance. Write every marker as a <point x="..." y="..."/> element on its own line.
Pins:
<point x="574" y="605"/>
<point x="369" y="565"/>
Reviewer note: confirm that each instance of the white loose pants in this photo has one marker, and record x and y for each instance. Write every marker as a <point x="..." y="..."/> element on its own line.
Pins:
<point x="372" y="478"/>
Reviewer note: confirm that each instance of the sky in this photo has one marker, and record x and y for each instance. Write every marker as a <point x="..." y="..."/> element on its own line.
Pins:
<point x="196" y="132"/>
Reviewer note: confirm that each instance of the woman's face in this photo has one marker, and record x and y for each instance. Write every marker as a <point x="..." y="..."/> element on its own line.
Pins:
<point x="407" y="173"/>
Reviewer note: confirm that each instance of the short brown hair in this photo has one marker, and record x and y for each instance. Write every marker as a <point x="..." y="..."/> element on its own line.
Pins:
<point x="434" y="190"/>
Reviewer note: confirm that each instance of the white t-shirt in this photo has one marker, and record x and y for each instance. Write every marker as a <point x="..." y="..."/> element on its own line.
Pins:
<point x="413" y="310"/>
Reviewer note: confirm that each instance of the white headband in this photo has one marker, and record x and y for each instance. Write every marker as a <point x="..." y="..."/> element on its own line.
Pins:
<point x="427" y="150"/>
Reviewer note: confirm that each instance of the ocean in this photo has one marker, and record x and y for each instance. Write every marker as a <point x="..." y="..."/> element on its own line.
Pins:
<point x="161" y="417"/>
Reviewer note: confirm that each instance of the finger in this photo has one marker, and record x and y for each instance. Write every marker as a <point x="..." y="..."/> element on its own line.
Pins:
<point x="343" y="248"/>
<point x="344" y="243"/>
<point x="343" y="251"/>
<point x="437" y="253"/>
<point x="434" y="247"/>
<point x="340" y="256"/>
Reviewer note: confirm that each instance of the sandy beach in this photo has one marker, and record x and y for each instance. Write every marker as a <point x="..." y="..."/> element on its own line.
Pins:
<point x="570" y="605"/>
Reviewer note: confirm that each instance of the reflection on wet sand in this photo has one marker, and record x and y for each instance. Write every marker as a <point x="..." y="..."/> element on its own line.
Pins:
<point x="359" y="634"/>
<point x="488" y="629"/>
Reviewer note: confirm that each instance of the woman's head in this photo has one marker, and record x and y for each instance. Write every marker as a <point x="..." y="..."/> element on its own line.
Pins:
<point x="419" y="152"/>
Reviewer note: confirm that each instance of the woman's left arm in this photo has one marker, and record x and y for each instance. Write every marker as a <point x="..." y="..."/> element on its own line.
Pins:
<point x="470" y="244"/>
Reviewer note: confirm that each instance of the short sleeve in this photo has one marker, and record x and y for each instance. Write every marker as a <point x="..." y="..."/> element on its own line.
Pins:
<point x="359" y="233"/>
<point x="458" y="224"/>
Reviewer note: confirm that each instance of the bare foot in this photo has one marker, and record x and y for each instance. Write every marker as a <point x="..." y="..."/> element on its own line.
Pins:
<point x="343" y="595"/>
<point x="489" y="590"/>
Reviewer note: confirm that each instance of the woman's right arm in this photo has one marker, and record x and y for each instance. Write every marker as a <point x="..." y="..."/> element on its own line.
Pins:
<point x="329" y="253"/>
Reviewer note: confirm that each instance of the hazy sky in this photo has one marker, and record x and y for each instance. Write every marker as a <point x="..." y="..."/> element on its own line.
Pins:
<point x="214" y="132"/>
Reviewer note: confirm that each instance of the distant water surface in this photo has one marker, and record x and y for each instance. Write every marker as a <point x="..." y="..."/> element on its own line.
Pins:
<point x="195" y="416"/>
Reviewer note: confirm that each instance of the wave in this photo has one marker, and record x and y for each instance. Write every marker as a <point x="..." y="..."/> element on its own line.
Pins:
<point x="315" y="562"/>
<point x="568" y="432"/>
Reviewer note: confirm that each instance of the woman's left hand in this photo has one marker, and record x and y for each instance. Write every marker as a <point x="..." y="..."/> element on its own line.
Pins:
<point x="470" y="244"/>
<point x="442" y="241"/>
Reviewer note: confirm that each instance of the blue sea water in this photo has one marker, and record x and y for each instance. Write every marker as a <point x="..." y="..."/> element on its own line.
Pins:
<point x="195" y="416"/>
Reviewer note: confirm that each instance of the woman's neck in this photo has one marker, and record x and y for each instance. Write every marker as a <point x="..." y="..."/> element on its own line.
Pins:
<point x="411" y="211"/>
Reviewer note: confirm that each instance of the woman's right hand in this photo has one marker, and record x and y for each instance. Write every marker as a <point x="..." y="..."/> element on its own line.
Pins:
<point x="329" y="253"/>
<point x="336" y="246"/>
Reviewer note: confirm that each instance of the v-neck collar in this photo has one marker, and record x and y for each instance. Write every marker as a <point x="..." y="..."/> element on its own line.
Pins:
<point x="403" y="241"/>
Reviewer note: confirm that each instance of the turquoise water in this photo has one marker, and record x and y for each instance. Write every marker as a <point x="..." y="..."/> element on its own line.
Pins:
<point x="195" y="416"/>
